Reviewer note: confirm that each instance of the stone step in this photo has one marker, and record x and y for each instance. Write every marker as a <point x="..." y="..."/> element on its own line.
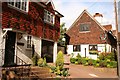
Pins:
<point x="39" y="68"/>
<point x="47" y="75"/>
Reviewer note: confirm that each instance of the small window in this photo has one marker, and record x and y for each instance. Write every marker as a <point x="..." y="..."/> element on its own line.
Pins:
<point x="93" y="47"/>
<point x="84" y="27"/>
<point x="19" y="4"/>
<point x="29" y="42"/>
<point x="48" y="17"/>
<point x="76" y="48"/>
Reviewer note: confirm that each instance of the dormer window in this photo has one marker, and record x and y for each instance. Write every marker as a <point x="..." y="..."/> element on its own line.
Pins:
<point x="19" y="4"/>
<point x="84" y="27"/>
<point x="48" y="17"/>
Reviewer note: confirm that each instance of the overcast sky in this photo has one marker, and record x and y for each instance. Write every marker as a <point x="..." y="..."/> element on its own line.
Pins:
<point x="71" y="9"/>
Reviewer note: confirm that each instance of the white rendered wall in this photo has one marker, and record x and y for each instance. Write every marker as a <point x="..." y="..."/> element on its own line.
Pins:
<point x="54" y="52"/>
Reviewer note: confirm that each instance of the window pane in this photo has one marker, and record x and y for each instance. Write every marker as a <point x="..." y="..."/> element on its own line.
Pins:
<point x="19" y="4"/>
<point x="29" y="41"/>
<point x="76" y="48"/>
<point x="84" y="27"/>
<point x="92" y="47"/>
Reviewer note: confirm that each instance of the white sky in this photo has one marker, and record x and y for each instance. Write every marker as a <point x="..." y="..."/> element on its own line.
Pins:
<point x="71" y="9"/>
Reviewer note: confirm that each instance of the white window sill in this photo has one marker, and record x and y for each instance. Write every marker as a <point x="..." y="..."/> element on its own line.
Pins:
<point x="49" y="23"/>
<point x="84" y="31"/>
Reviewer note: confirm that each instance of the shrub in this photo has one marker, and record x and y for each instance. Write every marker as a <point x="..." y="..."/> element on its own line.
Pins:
<point x="97" y="65"/>
<point x="84" y="60"/>
<point x="113" y="64"/>
<point x="103" y="63"/>
<point x="108" y="66"/>
<point x="65" y="72"/>
<point x="44" y="62"/>
<point x="60" y="60"/>
<point x="78" y="56"/>
<point x="79" y="61"/>
<point x="90" y="61"/>
<point x="35" y="60"/>
<point x="73" y="60"/>
<point x="104" y="56"/>
<point x="76" y="62"/>
<point x="111" y="56"/>
<point x="40" y="62"/>
<point x="98" y="60"/>
<point x="86" y="64"/>
<point x="53" y="68"/>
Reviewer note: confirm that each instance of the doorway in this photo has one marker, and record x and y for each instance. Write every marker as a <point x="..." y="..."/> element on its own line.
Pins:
<point x="10" y="48"/>
<point x="85" y="52"/>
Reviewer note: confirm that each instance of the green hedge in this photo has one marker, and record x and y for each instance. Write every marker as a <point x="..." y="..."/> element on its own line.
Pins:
<point x="96" y="63"/>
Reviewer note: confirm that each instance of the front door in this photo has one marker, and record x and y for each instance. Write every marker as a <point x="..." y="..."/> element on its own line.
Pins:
<point x="10" y="48"/>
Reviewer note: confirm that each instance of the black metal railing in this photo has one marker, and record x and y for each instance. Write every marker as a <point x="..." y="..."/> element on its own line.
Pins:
<point x="19" y="61"/>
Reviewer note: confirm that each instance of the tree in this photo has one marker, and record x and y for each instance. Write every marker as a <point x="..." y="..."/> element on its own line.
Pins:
<point x="61" y="40"/>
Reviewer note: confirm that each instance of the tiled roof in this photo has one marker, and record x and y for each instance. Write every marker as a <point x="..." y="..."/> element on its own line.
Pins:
<point x="108" y="27"/>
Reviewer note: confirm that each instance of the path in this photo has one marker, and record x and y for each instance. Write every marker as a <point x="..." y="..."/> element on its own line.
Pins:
<point x="80" y="71"/>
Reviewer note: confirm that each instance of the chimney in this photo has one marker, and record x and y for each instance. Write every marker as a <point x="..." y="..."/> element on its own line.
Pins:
<point x="98" y="17"/>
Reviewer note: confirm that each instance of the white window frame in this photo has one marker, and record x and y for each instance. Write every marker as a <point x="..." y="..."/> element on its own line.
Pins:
<point x="84" y="27"/>
<point x="23" y="4"/>
<point x="48" y="17"/>
<point x="29" y="42"/>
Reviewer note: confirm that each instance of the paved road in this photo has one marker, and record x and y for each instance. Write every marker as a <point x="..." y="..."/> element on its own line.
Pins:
<point x="80" y="71"/>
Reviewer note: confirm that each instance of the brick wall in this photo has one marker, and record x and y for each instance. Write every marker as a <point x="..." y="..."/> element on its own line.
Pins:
<point x="31" y="22"/>
<point x="91" y="37"/>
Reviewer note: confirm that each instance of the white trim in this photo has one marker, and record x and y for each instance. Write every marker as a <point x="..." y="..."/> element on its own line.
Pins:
<point x="55" y="52"/>
<point x="14" y="30"/>
<point x="48" y="17"/>
<point x="51" y="3"/>
<point x="21" y="1"/>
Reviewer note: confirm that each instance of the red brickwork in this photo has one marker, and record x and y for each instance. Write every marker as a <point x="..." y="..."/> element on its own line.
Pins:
<point x="31" y="22"/>
<point x="90" y="37"/>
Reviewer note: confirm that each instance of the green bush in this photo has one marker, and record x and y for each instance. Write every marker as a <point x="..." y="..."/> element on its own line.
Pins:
<point x="97" y="65"/>
<point x="84" y="60"/>
<point x="73" y="60"/>
<point x="79" y="61"/>
<point x="104" y="56"/>
<point x="40" y="62"/>
<point x="35" y="60"/>
<point x="98" y="60"/>
<point x="76" y="62"/>
<point x="78" y="56"/>
<point x="65" y="72"/>
<point x="44" y="62"/>
<point x="86" y="64"/>
<point x="103" y="63"/>
<point x="113" y="64"/>
<point x="53" y="68"/>
<point x="60" y="60"/>
<point x="91" y="61"/>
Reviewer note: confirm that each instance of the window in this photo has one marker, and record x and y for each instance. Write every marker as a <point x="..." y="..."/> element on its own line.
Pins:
<point x="76" y="48"/>
<point x="92" y="47"/>
<point x="29" y="42"/>
<point x="48" y="17"/>
<point x="84" y="27"/>
<point x="19" y="4"/>
<point x="93" y="50"/>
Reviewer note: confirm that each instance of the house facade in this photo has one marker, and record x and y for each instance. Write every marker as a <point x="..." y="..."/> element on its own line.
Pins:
<point x="28" y="29"/>
<point x="88" y="37"/>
